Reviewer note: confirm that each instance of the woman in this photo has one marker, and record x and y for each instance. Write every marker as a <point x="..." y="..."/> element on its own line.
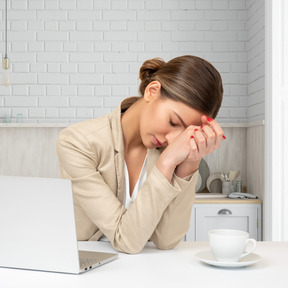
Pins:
<point x="149" y="147"/>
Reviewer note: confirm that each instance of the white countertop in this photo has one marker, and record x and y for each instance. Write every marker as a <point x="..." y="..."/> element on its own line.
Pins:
<point x="156" y="268"/>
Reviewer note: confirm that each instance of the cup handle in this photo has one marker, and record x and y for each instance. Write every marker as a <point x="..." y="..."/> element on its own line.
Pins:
<point x="252" y="249"/>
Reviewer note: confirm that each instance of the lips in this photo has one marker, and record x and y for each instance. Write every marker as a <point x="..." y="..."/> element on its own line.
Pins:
<point x="156" y="142"/>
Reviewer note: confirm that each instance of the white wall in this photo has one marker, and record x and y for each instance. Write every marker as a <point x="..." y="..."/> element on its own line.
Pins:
<point x="276" y="133"/>
<point x="73" y="60"/>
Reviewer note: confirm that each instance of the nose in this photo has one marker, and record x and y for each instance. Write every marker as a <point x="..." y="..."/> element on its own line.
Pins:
<point x="169" y="137"/>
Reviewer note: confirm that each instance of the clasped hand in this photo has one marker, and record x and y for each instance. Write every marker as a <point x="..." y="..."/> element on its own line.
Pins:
<point x="190" y="146"/>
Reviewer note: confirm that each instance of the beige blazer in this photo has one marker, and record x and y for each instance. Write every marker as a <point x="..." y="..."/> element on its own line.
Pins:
<point x="91" y="154"/>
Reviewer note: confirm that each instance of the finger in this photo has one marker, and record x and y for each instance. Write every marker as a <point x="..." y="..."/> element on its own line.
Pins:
<point x="194" y="154"/>
<point x="214" y="125"/>
<point x="211" y="138"/>
<point x="201" y="141"/>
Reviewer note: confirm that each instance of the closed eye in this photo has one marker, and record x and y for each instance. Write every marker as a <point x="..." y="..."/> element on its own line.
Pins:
<point x="172" y="124"/>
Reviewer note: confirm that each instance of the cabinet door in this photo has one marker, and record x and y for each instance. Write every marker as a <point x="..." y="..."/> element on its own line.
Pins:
<point x="206" y="217"/>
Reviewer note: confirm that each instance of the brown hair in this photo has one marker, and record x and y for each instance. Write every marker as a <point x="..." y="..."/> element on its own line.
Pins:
<point x="189" y="79"/>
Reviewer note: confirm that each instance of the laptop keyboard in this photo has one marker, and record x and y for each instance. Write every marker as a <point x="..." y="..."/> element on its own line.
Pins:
<point x="86" y="261"/>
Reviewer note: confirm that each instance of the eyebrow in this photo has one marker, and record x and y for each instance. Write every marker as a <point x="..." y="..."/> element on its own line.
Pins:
<point x="181" y="120"/>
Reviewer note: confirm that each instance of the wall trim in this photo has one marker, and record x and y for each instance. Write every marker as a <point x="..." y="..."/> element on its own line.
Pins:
<point x="275" y="202"/>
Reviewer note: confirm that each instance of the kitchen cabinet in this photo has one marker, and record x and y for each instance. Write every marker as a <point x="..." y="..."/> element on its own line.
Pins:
<point x="208" y="214"/>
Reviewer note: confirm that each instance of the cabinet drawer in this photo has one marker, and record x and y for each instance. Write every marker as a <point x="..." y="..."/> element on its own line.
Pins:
<point x="206" y="217"/>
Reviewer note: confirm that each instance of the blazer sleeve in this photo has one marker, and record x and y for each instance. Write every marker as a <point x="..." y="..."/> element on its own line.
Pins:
<point x="128" y="230"/>
<point x="175" y="221"/>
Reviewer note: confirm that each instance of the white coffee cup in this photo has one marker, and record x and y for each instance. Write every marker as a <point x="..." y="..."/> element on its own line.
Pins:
<point x="229" y="245"/>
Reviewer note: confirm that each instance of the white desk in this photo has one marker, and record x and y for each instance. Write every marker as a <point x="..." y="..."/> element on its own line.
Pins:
<point x="155" y="268"/>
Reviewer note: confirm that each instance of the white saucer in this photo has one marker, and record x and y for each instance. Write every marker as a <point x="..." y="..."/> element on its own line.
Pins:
<point x="208" y="258"/>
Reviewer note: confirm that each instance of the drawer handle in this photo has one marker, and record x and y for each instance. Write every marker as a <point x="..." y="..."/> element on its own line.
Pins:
<point x="225" y="212"/>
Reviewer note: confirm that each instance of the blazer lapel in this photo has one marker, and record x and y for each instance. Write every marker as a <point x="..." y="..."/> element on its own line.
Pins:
<point x="117" y="136"/>
<point x="119" y="163"/>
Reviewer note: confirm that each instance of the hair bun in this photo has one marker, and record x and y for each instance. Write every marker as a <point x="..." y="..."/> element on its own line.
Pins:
<point x="149" y="67"/>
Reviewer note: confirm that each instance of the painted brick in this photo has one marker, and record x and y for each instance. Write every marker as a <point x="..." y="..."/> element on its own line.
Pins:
<point x="20" y="90"/>
<point x="51" y="25"/>
<point x="35" y="25"/>
<point x="36" y="4"/>
<point x="136" y="4"/>
<point x="119" y="4"/>
<point x="36" y="112"/>
<point x="120" y="68"/>
<point x="84" y="57"/>
<point x="88" y="53"/>
<point x="118" y="25"/>
<point x="85" y="36"/>
<point x="152" y="15"/>
<point x="120" y="79"/>
<point x="51" y="112"/>
<point x="17" y="36"/>
<point x="21" y="14"/>
<point x="38" y="67"/>
<point x="18" y="26"/>
<point x="119" y="57"/>
<point x="24" y="78"/>
<point x="53" y="90"/>
<point x="85" y="5"/>
<point x="52" y="14"/>
<point x="52" y="36"/>
<point x="51" y="101"/>
<point x="67" y="25"/>
<point x="53" y="68"/>
<point x="102" y="90"/>
<point x="84" y="113"/>
<point x="119" y="15"/>
<point x="98" y="112"/>
<point x="70" y="90"/>
<point x="53" y="46"/>
<point x="112" y="101"/>
<point x="86" y="102"/>
<point x="52" y="4"/>
<point x="86" y="67"/>
<point x="68" y="67"/>
<point x="155" y="36"/>
<point x="19" y="101"/>
<point x="170" y="4"/>
<point x="85" y="90"/>
<point x="53" y="78"/>
<point x="35" y="47"/>
<point x="21" y="67"/>
<point x="37" y="90"/>
<point x="153" y="4"/>
<point x="85" y="79"/>
<point x="120" y="36"/>
<point x="120" y="90"/>
<point x="84" y="25"/>
<point x="67" y="112"/>
<point x="120" y="47"/>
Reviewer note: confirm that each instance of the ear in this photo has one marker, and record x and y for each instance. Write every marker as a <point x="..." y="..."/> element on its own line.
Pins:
<point x="152" y="91"/>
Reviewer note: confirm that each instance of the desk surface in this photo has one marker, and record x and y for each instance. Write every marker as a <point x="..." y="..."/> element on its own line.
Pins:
<point x="155" y="268"/>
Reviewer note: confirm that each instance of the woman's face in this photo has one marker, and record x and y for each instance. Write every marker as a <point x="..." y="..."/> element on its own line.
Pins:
<point x="162" y="120"/>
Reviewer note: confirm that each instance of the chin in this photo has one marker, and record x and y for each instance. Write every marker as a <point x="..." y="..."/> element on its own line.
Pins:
<point x="149" y="145"/>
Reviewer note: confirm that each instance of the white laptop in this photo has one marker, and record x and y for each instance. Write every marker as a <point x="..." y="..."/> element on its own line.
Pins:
<point x="37" y="227"/>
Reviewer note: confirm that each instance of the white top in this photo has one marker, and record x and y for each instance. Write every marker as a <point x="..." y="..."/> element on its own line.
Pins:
<point x="127" y="200"/>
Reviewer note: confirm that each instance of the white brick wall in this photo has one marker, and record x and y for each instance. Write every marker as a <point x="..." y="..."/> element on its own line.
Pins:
<point x="256" y="60"/>
<point x="77" y="59"/>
